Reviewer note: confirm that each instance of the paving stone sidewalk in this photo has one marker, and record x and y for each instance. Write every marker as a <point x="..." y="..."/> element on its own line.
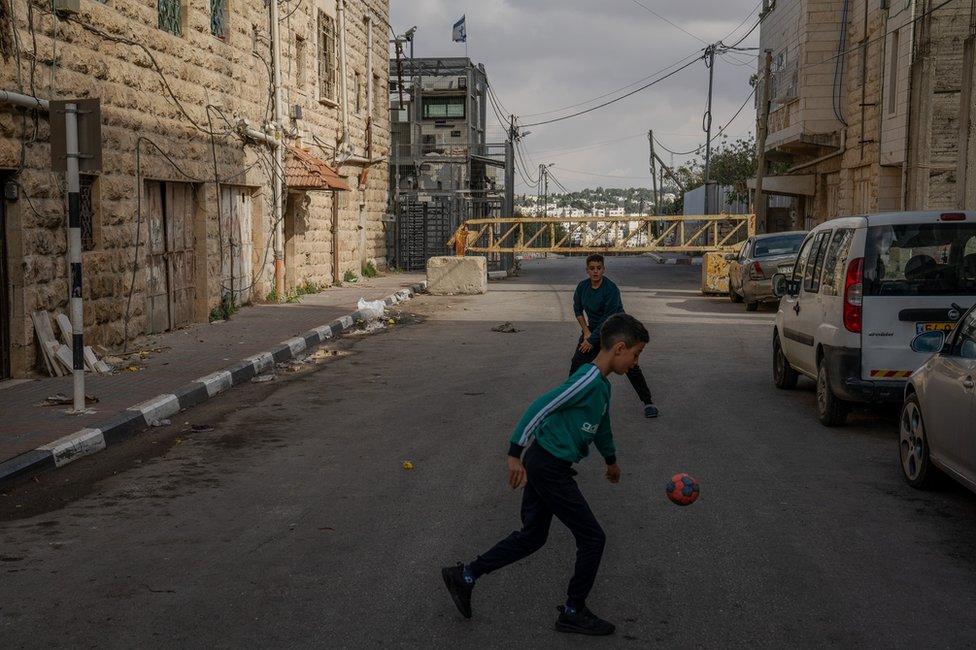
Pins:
<point x="186" y="355"/>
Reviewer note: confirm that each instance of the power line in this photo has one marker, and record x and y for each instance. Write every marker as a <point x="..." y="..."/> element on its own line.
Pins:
<point x="744" y="20"/>
<point x="586" y="173"/>
<point x="617" y="99"/>
<point x="668" y="21"/>
<point x="720" y="131"/>
<point x="694" y="55"/>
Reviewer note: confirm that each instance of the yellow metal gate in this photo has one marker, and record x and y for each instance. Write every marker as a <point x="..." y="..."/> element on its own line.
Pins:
<point x="599" y="234"/>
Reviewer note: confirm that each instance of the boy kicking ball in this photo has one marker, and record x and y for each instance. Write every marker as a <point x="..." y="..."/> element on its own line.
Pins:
<point x="597" y="298"/>
<point x="555" y="432"/>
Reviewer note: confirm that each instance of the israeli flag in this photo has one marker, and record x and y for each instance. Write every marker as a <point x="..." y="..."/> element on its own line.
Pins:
<point x="460" y="34"/>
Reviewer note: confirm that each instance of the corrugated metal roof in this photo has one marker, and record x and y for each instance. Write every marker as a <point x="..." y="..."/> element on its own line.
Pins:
<point x="305" y="171"/>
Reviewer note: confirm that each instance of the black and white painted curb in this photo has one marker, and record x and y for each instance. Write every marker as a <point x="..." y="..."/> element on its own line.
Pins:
<point x="136" y="418"/>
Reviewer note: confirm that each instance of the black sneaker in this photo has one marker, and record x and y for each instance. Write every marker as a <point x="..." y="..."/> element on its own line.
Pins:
<point x="650" y="411"/>
<point x="583" y="621"/>
<point x="459" y="587"/>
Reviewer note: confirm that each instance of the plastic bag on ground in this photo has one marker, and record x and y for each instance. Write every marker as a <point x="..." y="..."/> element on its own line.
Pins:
<point x="372" y="308"/>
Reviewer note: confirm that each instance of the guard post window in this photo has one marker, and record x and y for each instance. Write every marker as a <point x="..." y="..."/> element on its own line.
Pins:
<point x="443" y="108"/>
<point x="327" y="55"/>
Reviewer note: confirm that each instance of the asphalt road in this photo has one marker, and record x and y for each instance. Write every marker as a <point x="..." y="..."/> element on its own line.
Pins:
<point x="294" y="523"/>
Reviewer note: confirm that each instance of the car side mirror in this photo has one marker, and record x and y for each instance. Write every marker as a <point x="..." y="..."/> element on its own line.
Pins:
<point x="781" y="285"/>
<point x="730" y="257"/>
<point x="929" y="342"/>
<point x="784" y="286"/>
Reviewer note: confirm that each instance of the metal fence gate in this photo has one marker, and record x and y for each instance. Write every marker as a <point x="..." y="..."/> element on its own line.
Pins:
<point x="424" y="224"/>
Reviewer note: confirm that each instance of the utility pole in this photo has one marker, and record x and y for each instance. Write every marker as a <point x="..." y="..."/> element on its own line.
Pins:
<point x="710" y="62"/>
<point x="759" y="200"/>
<point x="653" y="165"/>
<point x="509" y="208"/>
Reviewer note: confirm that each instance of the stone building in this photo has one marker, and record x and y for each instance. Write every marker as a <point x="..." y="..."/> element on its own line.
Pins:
<point x="864" y="95"/>
<point x="181" y="218"/>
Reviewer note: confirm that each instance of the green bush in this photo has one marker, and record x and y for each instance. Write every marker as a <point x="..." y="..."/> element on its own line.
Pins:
<point x="369" y="271"/>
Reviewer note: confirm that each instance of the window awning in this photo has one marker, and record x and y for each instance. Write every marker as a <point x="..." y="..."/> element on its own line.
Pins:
<point x="305" y="171"/>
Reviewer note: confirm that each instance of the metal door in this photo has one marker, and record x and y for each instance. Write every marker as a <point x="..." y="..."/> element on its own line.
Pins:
<point x="170" y="286"/>
<point x="4" y="295"/>
<point x="236" y="243"/>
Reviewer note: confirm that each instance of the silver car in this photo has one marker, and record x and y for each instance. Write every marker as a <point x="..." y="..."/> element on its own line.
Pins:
<point x="751" y="269"/>
<point x="938" y="418"/>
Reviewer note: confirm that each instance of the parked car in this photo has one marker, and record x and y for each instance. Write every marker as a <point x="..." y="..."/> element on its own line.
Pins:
<point x="861" y="289"/>
<point x="938" y="418"/>
<point x="751" y="270"/>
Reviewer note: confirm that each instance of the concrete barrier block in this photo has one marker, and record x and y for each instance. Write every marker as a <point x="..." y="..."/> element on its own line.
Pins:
<point x="449" y="275"/>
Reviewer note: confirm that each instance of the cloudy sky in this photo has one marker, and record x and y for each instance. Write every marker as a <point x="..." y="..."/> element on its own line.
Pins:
<point x="543" y="55"/>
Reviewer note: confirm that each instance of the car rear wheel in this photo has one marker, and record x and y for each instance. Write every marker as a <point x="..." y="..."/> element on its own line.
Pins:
<point x="912" y="447"/>
<point x="784" y="376"/>
<point x="733" y="296"/>
<point x="831" y="410"/>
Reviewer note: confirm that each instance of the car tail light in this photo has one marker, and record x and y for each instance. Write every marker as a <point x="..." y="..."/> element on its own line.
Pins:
<point x="952" y="216"/>
<point x="854" y="295"/>
<point x="756" y="272"/>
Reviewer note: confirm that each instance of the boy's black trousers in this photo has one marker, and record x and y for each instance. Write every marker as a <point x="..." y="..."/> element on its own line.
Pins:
<point x="635" y="374"/>
<point x="550" y="491"/>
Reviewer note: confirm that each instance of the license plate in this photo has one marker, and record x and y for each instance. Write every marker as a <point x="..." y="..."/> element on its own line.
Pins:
<point x="785" y="270"/>
<point x="933" y="327"/>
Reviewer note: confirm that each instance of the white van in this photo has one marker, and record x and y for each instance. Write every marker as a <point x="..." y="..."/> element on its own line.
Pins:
<point x="861" y="289"/>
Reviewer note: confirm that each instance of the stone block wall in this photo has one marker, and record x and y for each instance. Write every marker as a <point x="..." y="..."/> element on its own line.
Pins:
<point x="155" y="88"/>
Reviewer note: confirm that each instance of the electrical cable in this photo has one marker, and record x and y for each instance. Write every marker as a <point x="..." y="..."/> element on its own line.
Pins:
<point x="744" y="21"/>
<point x="155" y="65"/>
<point x="586" y="173"/>
<point x="673" y="24"/>
<point x="694" y="55"/>
<point x="617" y="99"/>
<point x="717" y="134"/>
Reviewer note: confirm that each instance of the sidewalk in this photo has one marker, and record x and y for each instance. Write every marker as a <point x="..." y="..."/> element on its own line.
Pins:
<point x="219" y="349"/>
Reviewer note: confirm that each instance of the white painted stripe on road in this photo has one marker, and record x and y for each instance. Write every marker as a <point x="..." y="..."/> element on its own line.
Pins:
<point x="560" y="399"/>
<point x="261" y="362"/>
<point x="74" y="446"/>
<point x="296" y="344"/>
<point x="158" y="407"/>
<point x="324" y="332"/>
<point x="217" y="382"/>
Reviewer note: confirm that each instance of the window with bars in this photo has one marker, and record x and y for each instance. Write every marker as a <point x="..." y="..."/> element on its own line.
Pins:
<point x="359" y="93"/>
<point x="327" y="55"/>
<point x="88" y="212"/>
<point x="301" y="77"/>
<point x="170" y="16"/>
<point x="218" y="18"/>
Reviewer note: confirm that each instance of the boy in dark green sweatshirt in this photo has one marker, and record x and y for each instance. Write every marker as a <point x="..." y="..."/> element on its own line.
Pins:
<point x="555" y="432"/>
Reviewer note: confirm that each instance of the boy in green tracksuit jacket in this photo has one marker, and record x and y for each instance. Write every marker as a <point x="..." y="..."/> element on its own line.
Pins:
<point x="562" y="423"/>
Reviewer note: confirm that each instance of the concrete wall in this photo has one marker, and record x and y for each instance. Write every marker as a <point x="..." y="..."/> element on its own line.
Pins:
<point x="107" y="61"/>
<point x="804" y="34"/>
